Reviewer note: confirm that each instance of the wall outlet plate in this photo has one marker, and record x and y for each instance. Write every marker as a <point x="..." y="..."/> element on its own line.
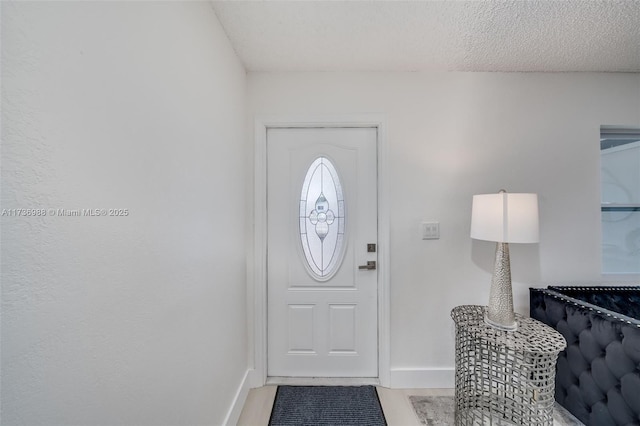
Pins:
<point x="430" y="230"/>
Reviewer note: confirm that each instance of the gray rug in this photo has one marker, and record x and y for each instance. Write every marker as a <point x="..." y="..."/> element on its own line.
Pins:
<point x="440" y="411"/>
<point x="327" y="406"/>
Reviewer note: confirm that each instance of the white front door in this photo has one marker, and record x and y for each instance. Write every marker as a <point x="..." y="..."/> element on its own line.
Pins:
<point x="322" y="232"/>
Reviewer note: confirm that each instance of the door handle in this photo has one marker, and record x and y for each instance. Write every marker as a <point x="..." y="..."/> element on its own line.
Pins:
<point x="371" y="265"/>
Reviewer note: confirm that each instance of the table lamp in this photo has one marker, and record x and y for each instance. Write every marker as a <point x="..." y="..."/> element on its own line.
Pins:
<point x="504" y="218"/>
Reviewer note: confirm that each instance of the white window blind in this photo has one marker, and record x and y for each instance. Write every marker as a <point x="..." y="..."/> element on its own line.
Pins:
<point x="620" y="198"/>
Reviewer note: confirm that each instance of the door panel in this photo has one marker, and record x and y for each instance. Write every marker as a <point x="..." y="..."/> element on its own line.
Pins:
<point x="322" y="309"/>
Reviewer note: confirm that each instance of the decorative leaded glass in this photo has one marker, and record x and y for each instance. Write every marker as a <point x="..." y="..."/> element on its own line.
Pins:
<point x="322" y="219"/>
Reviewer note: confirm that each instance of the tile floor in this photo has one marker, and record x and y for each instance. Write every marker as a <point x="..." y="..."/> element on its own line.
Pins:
<point x="395" y="404"/>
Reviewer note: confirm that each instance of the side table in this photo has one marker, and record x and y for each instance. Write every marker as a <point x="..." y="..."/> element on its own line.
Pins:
<point x="504" y="377"/>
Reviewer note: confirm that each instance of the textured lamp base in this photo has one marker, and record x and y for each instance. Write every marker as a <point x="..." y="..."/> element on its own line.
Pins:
<point x="510" y="327"/>
<point x="500" y="313"/>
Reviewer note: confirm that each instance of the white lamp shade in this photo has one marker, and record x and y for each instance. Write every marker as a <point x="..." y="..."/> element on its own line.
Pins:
<point x="505" y="218"/>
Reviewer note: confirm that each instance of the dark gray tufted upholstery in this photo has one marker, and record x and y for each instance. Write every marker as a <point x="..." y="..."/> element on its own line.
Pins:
<point x="598" y="375"/>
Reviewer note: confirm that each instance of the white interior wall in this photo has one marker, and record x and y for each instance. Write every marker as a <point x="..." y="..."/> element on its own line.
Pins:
<point x="122" y="320"/>
<point x="141" y="319"/>
<point x="452" y="135"/>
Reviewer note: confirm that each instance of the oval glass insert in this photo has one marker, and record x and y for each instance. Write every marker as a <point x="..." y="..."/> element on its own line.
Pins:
<point x="322" y="219"/>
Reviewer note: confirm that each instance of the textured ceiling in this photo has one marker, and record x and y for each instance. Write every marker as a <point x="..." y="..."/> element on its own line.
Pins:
<point x="570" y="35"/>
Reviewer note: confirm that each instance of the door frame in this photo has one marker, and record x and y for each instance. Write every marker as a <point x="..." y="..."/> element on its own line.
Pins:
<point x="257" y="267"/>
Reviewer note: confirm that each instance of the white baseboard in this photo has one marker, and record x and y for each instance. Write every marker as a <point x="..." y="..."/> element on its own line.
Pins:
<point x="233" y="415"/>
<point x="422" y="378"/>
<point x="323" y="381"/>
